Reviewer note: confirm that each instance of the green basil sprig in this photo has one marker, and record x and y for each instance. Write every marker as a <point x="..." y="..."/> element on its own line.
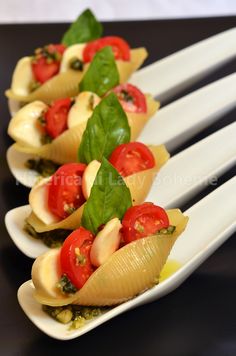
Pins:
<point x="109" y="198"/>
<point x="102" y="74"/>
<point x="106" y="129"/>
<point x="86" y="28"/>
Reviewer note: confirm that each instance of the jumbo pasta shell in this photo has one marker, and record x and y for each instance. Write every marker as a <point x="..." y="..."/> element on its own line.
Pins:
<point x="128" y="272"/>
<point x="127" y="68"/>
<point x="61" y="86"/>
<point x="66" y="84"/>
<point x="72" y="222"/>
<point x="137" y="121"/>
<point x="64" y="148"/>
<point x="138" y="183"/>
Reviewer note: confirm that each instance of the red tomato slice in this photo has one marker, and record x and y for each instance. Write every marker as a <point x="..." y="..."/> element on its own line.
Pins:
<point x="43" y="71"/>
<point x="65" y="189"/>
<point x="130" y="158"/>
<point x="75" y="257"/>
<point x="143" y="220"/>
<point x="56" y="117"/>
<point x="119" y="46"/>
<point x="47" y="62"/>
<point x="131" y="98"/>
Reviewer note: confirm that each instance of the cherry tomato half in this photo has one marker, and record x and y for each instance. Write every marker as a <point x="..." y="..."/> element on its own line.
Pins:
<point x="142" y="221"/>
<point x="75" y="257"/>
<point x="46" y="63"/>
<point x="130" y="158"/>
<point x="56" y="117"/>
<point x="131" y="98"/>
<point x="119" y="46"/>
<point x="65" y="189"/>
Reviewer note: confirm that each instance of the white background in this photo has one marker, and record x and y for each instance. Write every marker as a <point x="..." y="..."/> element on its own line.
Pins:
<point x="67" y="10"/>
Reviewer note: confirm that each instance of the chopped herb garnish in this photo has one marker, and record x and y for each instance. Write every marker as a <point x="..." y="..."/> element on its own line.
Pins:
<point x="42" y="121"/>
<point x="124" y="95"/>
<point x="139" y="227"/>
<point x="76" y="64"/>
<point x="69" y="209"/>
<point x="45" y="139"/>
<point x="34" y="85"/>
<point x="66" y="286"/>
<point x="43" y="166"/>
<point x="168" y="231"/>
<point x="80" y="258"/>
<point x="52" y="239"/>
<point x="47" y="53"/>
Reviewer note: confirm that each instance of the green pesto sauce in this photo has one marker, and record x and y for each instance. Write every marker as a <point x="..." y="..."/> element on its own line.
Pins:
<point x="52" y="239"/>
<point x="76" y="315"/>
<point x="66" y="286"/>
<point x="167" y="231"/>
<point x="76" y="64"/>
<point x="44" y="167"/>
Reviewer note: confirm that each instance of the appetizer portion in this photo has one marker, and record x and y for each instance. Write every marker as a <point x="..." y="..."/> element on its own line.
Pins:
<point x="117" y="253"/>
<point x="53" y="133"/>
<point x="57" y="202"/>
<point x="55" y="70"/>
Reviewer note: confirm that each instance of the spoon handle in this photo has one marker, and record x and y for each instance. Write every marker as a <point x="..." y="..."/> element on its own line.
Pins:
<point x="180" y="120"/>
<point x="166" y="77"/>
<point x="212" y="221"/>
<point x="198" y="165"/>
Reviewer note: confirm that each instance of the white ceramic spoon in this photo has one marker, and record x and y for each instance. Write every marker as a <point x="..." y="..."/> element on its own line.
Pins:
<point x="172" y="125"/>
<point x="200" y="239"/>
<point x="199" y="165"/>
<point x="170" y="75"/>
<point x="182" y="176"/>
<point x="177" y="122"/>
<point x="16" y="162"/>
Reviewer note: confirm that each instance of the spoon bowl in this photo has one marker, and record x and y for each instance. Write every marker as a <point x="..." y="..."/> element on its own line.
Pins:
<point x="200" y="239"/>
<point x="178" y="181"/>
<point x="199" y="59"/>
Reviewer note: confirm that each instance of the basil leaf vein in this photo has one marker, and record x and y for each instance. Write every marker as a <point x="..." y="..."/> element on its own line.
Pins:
<point x="86" y="28"/>
<point x="106" y="129"/>
<point x="102" y="74"/>
<point x="109" y="198"/>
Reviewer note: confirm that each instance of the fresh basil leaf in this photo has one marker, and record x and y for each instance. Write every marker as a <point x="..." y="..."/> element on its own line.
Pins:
<point x="106" y="129"/>
<point x="86" y="28"/>
<point x="109" y="198"/>
<point x="102" y="74"/>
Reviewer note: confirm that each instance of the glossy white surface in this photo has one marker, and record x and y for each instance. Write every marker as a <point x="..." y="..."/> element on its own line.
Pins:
<point x="197" y="166"/>
<point x="16" y="163"/>
<point x="177" y="122"/>
<point x="180" y="179"/>
<point x="15" y="221"/>
<point x="204" y="234"/>
<point x="170" y="75"/>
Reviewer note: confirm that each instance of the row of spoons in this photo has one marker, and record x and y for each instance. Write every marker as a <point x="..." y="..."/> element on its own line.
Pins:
<point x="183" y="176"/>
